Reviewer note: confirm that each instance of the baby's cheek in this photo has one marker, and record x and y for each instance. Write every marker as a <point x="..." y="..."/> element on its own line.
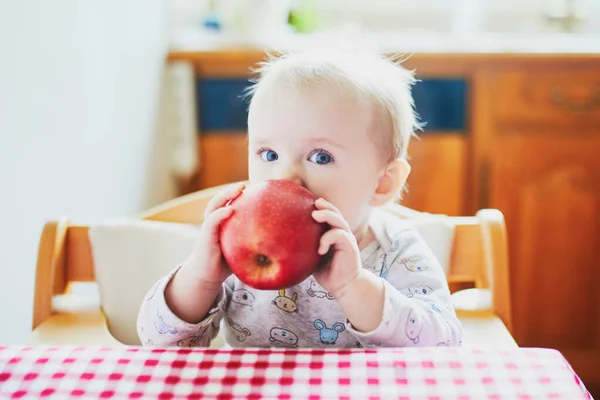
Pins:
<point x="259" y="170"/>
<point x="352" y="201"/>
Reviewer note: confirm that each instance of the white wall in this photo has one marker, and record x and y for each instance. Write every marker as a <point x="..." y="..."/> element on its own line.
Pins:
<point x="79" y="82"/>
<point x="506" y="16"/>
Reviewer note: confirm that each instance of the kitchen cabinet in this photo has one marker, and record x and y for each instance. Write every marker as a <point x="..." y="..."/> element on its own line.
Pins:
<point x="543" y="172"/>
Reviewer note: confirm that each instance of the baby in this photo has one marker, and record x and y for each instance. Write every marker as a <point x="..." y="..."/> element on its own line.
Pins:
<point x="338" y="123"/>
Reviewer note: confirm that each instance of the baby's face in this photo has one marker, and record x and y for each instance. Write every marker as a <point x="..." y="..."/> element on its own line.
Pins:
<point x="319" y="139"/>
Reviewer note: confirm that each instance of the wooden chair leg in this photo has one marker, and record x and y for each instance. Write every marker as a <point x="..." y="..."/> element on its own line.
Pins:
<point x="497" y="269"/>
<point x="50" y="277"/>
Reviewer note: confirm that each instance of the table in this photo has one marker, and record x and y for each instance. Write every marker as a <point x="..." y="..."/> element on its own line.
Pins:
<point x="177" y="373"/>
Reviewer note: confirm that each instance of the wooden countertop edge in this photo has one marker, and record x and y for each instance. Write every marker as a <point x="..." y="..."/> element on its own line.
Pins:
<point x="244" y="54"/>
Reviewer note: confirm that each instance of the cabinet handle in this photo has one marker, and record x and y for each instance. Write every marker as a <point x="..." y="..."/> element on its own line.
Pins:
<point x="484" y="186"/>
<point x="558" y="98"/>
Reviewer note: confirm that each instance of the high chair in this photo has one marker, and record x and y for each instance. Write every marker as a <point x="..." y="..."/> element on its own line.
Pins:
<point x="477" y="272"/>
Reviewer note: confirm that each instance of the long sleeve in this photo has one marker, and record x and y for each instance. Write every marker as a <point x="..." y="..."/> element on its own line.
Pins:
<point x="417" y="307"/>
<point x="158" y="326"/>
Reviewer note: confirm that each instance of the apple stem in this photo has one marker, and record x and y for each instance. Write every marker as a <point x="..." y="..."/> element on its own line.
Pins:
<point x="262" y="260"/>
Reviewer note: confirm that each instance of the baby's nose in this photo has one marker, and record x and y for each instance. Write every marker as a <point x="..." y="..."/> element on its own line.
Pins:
<point x="293" y="175"/>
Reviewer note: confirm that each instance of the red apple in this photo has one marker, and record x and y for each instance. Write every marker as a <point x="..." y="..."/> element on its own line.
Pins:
<point x="271" y="240"/>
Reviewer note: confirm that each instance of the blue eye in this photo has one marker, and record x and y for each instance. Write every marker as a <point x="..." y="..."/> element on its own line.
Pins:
<point x="320" y="157"/>
<point x="269" y="155"/>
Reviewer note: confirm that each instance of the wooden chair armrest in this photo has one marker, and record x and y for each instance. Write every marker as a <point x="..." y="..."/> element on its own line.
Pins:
<point x="484" y="330"/>
<point x="81" y="328"/>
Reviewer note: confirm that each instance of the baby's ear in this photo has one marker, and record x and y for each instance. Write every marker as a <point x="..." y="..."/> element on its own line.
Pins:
<point x="391" y="182"/>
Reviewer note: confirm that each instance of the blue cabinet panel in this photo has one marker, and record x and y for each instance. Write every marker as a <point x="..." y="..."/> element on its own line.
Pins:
<point x="441" y="104"/>
<point x="220" y="104"/>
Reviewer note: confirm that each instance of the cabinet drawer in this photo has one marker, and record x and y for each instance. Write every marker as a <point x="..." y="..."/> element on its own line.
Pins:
<point x="548" y="97"/>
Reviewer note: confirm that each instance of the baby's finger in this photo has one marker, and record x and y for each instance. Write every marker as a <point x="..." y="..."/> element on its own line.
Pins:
<point x="223" y="197"/>
<point x="213" y="221"/>
<point x="339" y="239"/>
<point x="323" y="204"/>
<point x="335" y="220"/>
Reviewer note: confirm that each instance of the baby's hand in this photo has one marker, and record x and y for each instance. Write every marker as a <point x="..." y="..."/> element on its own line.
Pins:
<point x="195" y="286"/>
<point x="345" y="264"/>
<point x="206" y="260"/>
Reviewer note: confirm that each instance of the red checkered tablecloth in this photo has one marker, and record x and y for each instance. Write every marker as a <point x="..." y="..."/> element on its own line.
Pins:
<point x="173" y="373"/>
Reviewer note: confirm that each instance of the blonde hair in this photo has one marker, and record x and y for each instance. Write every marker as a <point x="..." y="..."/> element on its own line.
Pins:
<point x="368" y="75"/>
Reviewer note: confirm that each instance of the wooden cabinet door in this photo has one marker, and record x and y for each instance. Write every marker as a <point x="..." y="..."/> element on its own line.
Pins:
<point x="437" y="182"/>
<point x="548" y="187"/>
<point x="223" y="159"/>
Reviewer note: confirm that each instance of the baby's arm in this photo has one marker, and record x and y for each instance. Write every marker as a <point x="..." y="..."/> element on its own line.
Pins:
<point x="417" y="308"/>
<point x="362" y="301"/>
<point x="159" y="326"/>
<point x="182" y="308"/>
